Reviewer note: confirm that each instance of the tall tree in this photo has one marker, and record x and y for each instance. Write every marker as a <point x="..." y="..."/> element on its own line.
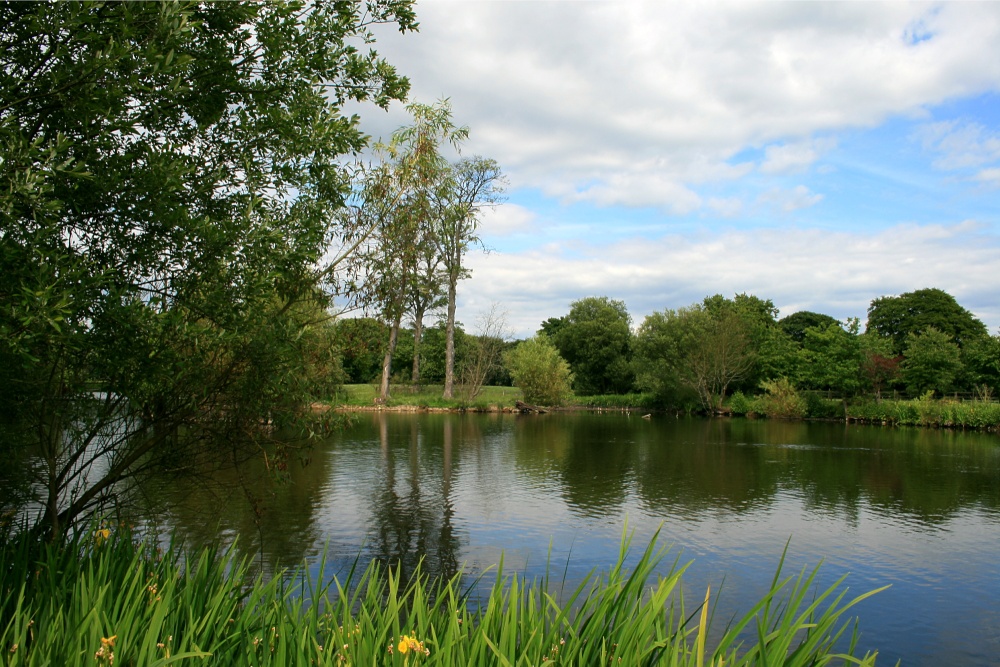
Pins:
<point x="399" y="198"/>
<point x="171" y="173"/>
<point x="471" y="185"/>
<point x="596" y="340"/>
<point x="896" y="317"/>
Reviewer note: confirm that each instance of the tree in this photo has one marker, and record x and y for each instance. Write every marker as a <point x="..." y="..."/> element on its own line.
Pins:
<point x="170" y="183"/>
<point x="896" y="317"/>
<point x="595" y="338"/>
<point x="537" y="369"/>
<point x="398" y="199"/>
<point x="831" y="358"/>
<point x="360" y="342"/>
<point x="796" y="324"/>
<point x="486" y="353"/>
<point x="471" y="185"/>
<point x="932" y="362"/>
<point x="697" y="349"/>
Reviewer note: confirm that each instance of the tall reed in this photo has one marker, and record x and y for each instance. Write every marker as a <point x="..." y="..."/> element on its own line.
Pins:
<point x="107" y="600"/>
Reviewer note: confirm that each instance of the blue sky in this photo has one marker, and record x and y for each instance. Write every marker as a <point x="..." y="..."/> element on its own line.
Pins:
<point x="816" y="154"/>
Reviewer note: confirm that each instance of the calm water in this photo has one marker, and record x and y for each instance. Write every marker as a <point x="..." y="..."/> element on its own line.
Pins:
<point x="917" y="509"/>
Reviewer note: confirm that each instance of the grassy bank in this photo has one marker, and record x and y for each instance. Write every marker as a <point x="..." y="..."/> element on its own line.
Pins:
<point x="427" y="396"/>
<point x="109" y="601"/>
<point x="930" y="412"/>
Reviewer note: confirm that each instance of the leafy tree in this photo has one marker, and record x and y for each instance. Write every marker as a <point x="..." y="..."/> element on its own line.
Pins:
<point x="771" y="349"/>
<point x="537" y="369"/>
<point x="360" y="342"/>
<point x="796" y="324"/>
<point x="596" y="339"/>
<point x="170" y="184"/>
<point x="981" y="365"/>
<point x="398" y="198"/>
<point x="932" y="362"/>
<point x="695" y="349"/>
<point x="831" y="358"/>
<point x="551" y="326"/>
<point x="896" y="317"/>
<point x="467" y="187"/>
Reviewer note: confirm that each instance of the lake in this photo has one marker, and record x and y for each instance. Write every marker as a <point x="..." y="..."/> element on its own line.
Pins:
<point x="918" y="509"/>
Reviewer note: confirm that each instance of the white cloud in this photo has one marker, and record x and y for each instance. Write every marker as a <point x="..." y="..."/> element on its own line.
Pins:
<point x="990" y="177"/>
<point x="790" y="200"/>
<point x="570" y="97"/>
<point x="507" y="219"/>
<point x="834" y="273"/>
<point x="961" y="145"/>
<point x="794" y="157"/>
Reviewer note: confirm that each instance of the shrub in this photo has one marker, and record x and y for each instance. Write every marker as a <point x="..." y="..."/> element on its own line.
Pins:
<point x="537" y="369"/>
<point x="781" y="400"/>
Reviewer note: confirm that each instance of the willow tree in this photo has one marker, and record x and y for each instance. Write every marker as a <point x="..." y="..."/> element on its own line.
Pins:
<point x="471" y="185"/>
<point x="169" y="184"/>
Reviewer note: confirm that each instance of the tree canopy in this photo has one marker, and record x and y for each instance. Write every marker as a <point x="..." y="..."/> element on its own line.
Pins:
<point x="169" y="186"/>
<point x="595" y="338"/>
<point x="896" y="317"/>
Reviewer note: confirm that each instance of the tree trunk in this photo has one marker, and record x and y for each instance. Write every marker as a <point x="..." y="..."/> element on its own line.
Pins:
<point x="449" y="333"/>
<point x="387" y="360"/>
<point x="418" y="330"/>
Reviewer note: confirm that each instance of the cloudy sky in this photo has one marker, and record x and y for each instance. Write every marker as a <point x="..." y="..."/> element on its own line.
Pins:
<point x="815" y="154"/>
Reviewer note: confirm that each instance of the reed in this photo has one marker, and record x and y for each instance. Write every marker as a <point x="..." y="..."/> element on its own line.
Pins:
<point x="109" y="600"/>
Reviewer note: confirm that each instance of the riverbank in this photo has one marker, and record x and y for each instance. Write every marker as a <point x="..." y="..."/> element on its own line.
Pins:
<point x="925" y="412"/>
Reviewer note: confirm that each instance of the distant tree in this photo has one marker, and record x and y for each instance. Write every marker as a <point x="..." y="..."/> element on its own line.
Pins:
<point x="896" y="317"/>
<point x="360" y="342"/>
<point x="697" y="349"/>
<point x="795" y="325"/>
<point x="932" y="362"/>
<point x="771" y="348"/>
<point x="981" y="365"/>
<point x="485" y="354"/>
<point x="832" y="358"/>
<point x="552" y="326"/>
<point x="541" y="374"/>
<point x="596" y="339"/>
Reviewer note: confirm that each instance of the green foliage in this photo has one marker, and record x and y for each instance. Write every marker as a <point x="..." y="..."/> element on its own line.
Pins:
<point x="107" y="595"/>
<point x="831" y="358"/>
<point x="699" y="349"/>
<point x="539" y="372"/>
<point x="361" y="342"/>
<point x="896" y="317"/>
<point x="170" y="185"/>
<point x="926" y="411"/>
<point x="781" y="400"/>
<point x="796" y="324"/>
<point x="618" y="401"/>
<point x="931" y="362"/>
<point x="596" y="339"/>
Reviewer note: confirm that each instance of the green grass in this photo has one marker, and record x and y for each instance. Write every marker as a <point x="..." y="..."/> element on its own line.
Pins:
<point x="427" y="396"/>
<point x="78" y="604"/>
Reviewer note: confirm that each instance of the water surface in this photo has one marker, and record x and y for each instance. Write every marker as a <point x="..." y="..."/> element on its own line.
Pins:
<point x="915" y="508"/>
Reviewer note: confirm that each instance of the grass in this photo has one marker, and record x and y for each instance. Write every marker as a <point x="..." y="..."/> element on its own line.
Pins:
<point x="108" y="600"/>
<point x="427" y="396"/>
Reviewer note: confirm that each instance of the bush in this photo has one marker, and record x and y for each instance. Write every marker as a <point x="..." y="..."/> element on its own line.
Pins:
<point x="781" y="400"/>
<point x="541" y="374"/>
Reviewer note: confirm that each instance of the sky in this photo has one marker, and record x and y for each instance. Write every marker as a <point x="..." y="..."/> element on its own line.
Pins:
<point x="816" y="154"/>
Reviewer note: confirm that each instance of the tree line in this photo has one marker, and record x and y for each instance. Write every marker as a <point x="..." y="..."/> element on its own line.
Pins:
<point x="696" y="356"/>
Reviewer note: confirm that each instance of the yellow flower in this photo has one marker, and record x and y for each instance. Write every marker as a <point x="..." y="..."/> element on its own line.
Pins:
<point x="101" y="536"/>
<point x="109" y="641"/>
<point x="407" y="644"/>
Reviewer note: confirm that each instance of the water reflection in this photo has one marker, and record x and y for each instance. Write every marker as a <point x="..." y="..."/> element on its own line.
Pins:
<point x="916" y="508"/>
